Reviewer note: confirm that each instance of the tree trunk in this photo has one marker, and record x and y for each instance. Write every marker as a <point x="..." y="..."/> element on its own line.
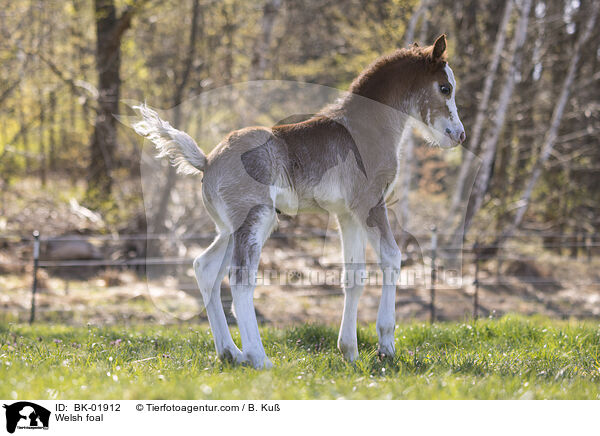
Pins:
<point x="408" y="137"/>
<point x="109" y="33"/>
<point x="228" y="32"/>
<point x="489" y="145"/>
<point x="159" y="225"/>
<point x="52" y="132"/>
<point x="43" y="164"/>
<point x="552" y="132"/>
<point x="25" y="136"/>
<point x="475" y="134"/>
<point x="261" y="49"/>
<point x="409" y="35"/>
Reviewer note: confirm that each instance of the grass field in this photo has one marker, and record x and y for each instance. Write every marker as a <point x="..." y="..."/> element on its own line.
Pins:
<point x="508" y="358"/>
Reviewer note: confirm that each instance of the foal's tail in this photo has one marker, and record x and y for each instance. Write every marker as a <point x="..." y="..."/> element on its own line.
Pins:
<point x="183" y="151"/>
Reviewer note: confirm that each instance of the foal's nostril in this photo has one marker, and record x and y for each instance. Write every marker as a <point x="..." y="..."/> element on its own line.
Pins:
<point x="448" y="131"/>
<point x="463" y="136"/>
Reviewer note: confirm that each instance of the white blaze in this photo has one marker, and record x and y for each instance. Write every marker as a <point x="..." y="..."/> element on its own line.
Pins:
<point x="443" y="131"/>
<point x="451" y="102"/>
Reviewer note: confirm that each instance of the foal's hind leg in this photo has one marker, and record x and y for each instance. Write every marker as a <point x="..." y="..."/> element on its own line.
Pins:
<point x="210" y="268"/>
<point x="248" y="242"/>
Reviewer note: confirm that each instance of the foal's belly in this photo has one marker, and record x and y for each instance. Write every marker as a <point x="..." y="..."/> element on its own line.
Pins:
<point x="291" y="202"/>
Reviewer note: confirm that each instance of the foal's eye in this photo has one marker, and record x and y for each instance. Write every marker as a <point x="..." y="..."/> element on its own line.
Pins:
<point x="445" y="89"/>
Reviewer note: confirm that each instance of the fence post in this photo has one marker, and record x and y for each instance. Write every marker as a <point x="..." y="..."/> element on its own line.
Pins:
<point x="588" y="246"/>
<point x="476" y="281"/>
<point x="36" y="258"/>
<point x="498" y="261"/>
<point x="433" y="273"/>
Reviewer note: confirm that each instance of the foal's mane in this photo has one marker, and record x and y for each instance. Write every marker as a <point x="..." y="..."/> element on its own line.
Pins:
<point x="414" y="60"/>
<point x="405" y="65"/>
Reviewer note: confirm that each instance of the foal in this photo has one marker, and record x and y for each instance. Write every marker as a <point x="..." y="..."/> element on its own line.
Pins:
<point x="343" y="160"/>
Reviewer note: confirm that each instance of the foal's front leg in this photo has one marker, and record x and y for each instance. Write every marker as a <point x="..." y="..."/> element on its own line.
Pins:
<point x="353" y="248"/>
<point x="382" y="240"/>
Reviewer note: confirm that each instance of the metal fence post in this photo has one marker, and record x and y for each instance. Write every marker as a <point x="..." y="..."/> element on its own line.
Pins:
<point x="433" y="273"/>
<point x="589" y="241"/>
<point x="498" y="262"/>
<point x="36" y="258"/>
<point x="476" y="282"/>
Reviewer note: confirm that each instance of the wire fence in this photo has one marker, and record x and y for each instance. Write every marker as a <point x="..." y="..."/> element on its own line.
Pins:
<point x="483" y="267"/>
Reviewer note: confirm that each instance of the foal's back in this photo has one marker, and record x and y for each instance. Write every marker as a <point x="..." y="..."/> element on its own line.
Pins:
<point x="257" y="164"/>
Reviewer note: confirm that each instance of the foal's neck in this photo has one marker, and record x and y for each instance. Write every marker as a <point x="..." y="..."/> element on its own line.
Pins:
<point x="380" y="104"/>
<point x="376" y="124"/>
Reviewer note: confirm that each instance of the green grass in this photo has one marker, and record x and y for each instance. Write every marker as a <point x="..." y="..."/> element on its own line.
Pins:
<point x="512" y="357"/>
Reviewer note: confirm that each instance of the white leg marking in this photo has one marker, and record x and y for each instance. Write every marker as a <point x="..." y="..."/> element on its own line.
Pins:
<point x="353" y="247"/>
<point x="253" y="350"/>
<point x="210" y="269"/>
<point x="247" y="247"/>
<point x="386" y="315"/>
<point x="382" y="240"/>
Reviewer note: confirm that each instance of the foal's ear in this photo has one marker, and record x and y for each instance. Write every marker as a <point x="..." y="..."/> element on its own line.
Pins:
<point x="439" y="48"/>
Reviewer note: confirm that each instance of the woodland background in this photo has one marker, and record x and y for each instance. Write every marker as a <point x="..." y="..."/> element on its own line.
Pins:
<point x="528" y="75"/>
<point x="67" y="64"/>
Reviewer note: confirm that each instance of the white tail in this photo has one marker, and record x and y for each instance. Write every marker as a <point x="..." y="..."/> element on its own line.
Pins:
<point x="183" y="151"/>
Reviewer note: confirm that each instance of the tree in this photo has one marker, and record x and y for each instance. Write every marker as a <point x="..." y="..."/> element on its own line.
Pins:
<point x="110" y="28"/>
<point x="482" y="107"/>
<point x="408" y="138"/>
<point x="261" y="48"/>
<point x="488" y="147"/>
<point x="552" y="132"/>
<point x="159" y="220"/>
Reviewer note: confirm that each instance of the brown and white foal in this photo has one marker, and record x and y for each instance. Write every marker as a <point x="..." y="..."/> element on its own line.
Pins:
<point x="343" y="160"/>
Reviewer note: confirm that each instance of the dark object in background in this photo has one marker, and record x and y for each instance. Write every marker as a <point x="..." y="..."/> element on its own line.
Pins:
<point x="70" y="248"/>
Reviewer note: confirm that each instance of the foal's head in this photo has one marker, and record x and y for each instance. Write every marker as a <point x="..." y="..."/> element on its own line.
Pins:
<point x="419" y="82"/>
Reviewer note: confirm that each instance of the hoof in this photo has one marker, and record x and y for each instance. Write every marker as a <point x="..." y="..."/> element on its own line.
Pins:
<point x="231" y="355"/>
<point x="257" y="360"/>
<point x="386" y="352"/>
<point x="350" y="352"/>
